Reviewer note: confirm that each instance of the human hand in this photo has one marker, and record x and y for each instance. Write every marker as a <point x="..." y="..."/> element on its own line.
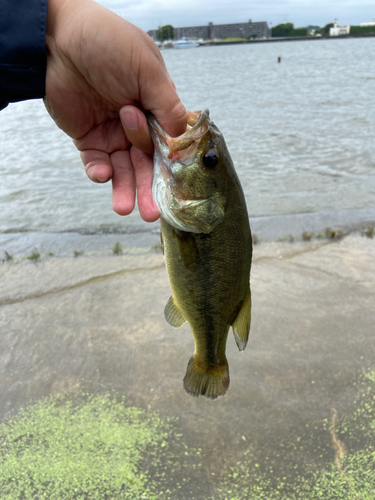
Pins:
<point x="101" y="71"/>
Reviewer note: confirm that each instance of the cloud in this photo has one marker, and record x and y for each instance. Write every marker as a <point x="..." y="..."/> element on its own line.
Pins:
<point x="149" y="14"/>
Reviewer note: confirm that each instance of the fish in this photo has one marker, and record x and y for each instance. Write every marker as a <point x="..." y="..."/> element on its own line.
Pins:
<point x="207" y="245"/>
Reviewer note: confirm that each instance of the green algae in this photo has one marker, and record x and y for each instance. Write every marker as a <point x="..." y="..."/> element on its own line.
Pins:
<point x="369" y="232"/>
<point x="333" y="233"/>
<point x="8" y="257"/>
<point x="98" y="447"/>
<point x="117" y="249"/>
<point x="34" y="255"/>
<point x="307" y="236"/>
<point x="91" y="447"/>
<point x="350" y="476"/>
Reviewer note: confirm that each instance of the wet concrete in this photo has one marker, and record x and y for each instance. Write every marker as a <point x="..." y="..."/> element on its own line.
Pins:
<point x="97" y="322"/>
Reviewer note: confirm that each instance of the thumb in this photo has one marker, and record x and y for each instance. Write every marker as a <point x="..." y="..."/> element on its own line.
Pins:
<point x="159" y="96"/>
<point x="172" y="116"/>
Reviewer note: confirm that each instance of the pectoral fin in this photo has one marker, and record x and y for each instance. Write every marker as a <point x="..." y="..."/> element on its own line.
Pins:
<point x="173" y="315"/>
<point x="241" y="325"/>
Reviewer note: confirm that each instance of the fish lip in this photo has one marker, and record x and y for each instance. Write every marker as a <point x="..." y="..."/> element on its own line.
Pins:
<point x="157" y="132"/>
<point x="174" y="144"/>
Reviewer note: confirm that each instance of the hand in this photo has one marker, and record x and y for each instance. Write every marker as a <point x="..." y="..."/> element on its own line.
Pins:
<point x="101" y="72"/>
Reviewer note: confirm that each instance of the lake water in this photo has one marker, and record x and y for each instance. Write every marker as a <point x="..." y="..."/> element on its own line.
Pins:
<point x="301" y="134"/>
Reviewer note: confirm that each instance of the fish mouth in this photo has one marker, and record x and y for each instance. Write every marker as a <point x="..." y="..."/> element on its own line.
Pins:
<point x="197" y="126"/>
<point x="177" y="206"/>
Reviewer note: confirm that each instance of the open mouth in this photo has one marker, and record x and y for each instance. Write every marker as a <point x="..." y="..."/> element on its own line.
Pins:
<point x="197" y="126"/>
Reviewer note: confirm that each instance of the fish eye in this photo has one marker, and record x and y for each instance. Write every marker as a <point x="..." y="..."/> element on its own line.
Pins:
<point x="211" y="158"/>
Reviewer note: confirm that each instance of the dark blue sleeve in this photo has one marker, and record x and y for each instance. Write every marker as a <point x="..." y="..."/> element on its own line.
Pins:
<point x="22" y="50"/>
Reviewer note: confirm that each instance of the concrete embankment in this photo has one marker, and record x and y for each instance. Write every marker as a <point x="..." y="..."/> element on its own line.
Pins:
<point x="97" y="321"/>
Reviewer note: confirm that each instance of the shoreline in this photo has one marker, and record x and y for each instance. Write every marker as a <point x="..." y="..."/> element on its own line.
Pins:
<point x="145" y="236"/>
<point x="289" y="39"/>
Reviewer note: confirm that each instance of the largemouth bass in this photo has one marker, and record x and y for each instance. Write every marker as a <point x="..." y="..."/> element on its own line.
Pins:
<point x="207" y="246"/>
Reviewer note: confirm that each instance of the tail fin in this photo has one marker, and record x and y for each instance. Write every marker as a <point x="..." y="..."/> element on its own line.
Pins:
<point x="209" y="381"/>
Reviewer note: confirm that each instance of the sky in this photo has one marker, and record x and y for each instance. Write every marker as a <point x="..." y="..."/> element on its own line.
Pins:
<point x="150" y="14"/>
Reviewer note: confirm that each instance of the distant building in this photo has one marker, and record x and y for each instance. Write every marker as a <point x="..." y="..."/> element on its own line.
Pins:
<point x="369" y="24"/>
<point x="243" y="30"/>
<point x="311" y="30"/>
<point x="339" y="30"/>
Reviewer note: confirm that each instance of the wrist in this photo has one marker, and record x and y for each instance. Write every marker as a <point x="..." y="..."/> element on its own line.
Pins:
<point x="53" y="12"/>
<point x="60" y="17"/>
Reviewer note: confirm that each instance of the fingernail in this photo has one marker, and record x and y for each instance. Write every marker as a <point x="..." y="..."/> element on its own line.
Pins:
<point x="130" y="121"/>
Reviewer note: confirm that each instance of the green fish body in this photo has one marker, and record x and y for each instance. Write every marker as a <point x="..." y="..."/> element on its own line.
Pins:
<point x="207" y="246"/>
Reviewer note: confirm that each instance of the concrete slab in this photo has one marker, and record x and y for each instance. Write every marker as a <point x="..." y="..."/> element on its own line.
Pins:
<point x="97" y="321"/>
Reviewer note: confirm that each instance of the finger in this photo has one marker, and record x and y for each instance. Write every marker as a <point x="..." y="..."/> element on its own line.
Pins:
<point x="159" y="95"/>
<point x="143" y="168"/>
<point x="108" y="136"/>
<point x="123" y="183"/>
<point x="136" y="128"/>
<point x="97" y="164"/>
<point x="173" y="120"/>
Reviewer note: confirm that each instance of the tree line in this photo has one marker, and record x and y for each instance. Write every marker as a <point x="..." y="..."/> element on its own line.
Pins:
<point x="165" y="33"/>
<point x="288" y="30"/>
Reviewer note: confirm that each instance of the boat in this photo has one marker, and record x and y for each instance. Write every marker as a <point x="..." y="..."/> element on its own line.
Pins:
<point x="185" y="44"/>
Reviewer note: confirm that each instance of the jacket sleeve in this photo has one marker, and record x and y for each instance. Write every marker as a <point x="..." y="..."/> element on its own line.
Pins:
<point x="22" y="50"/>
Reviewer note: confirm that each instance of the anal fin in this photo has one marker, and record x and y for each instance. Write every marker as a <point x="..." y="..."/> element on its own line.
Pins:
<point x="241" y="325"/>
<point x="173" y="315"/>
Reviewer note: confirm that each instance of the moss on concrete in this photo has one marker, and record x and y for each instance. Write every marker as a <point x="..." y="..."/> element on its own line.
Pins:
<point x="350" y="476"/>
<point x="90" y="447"/>
<point x="94" y="447"/>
